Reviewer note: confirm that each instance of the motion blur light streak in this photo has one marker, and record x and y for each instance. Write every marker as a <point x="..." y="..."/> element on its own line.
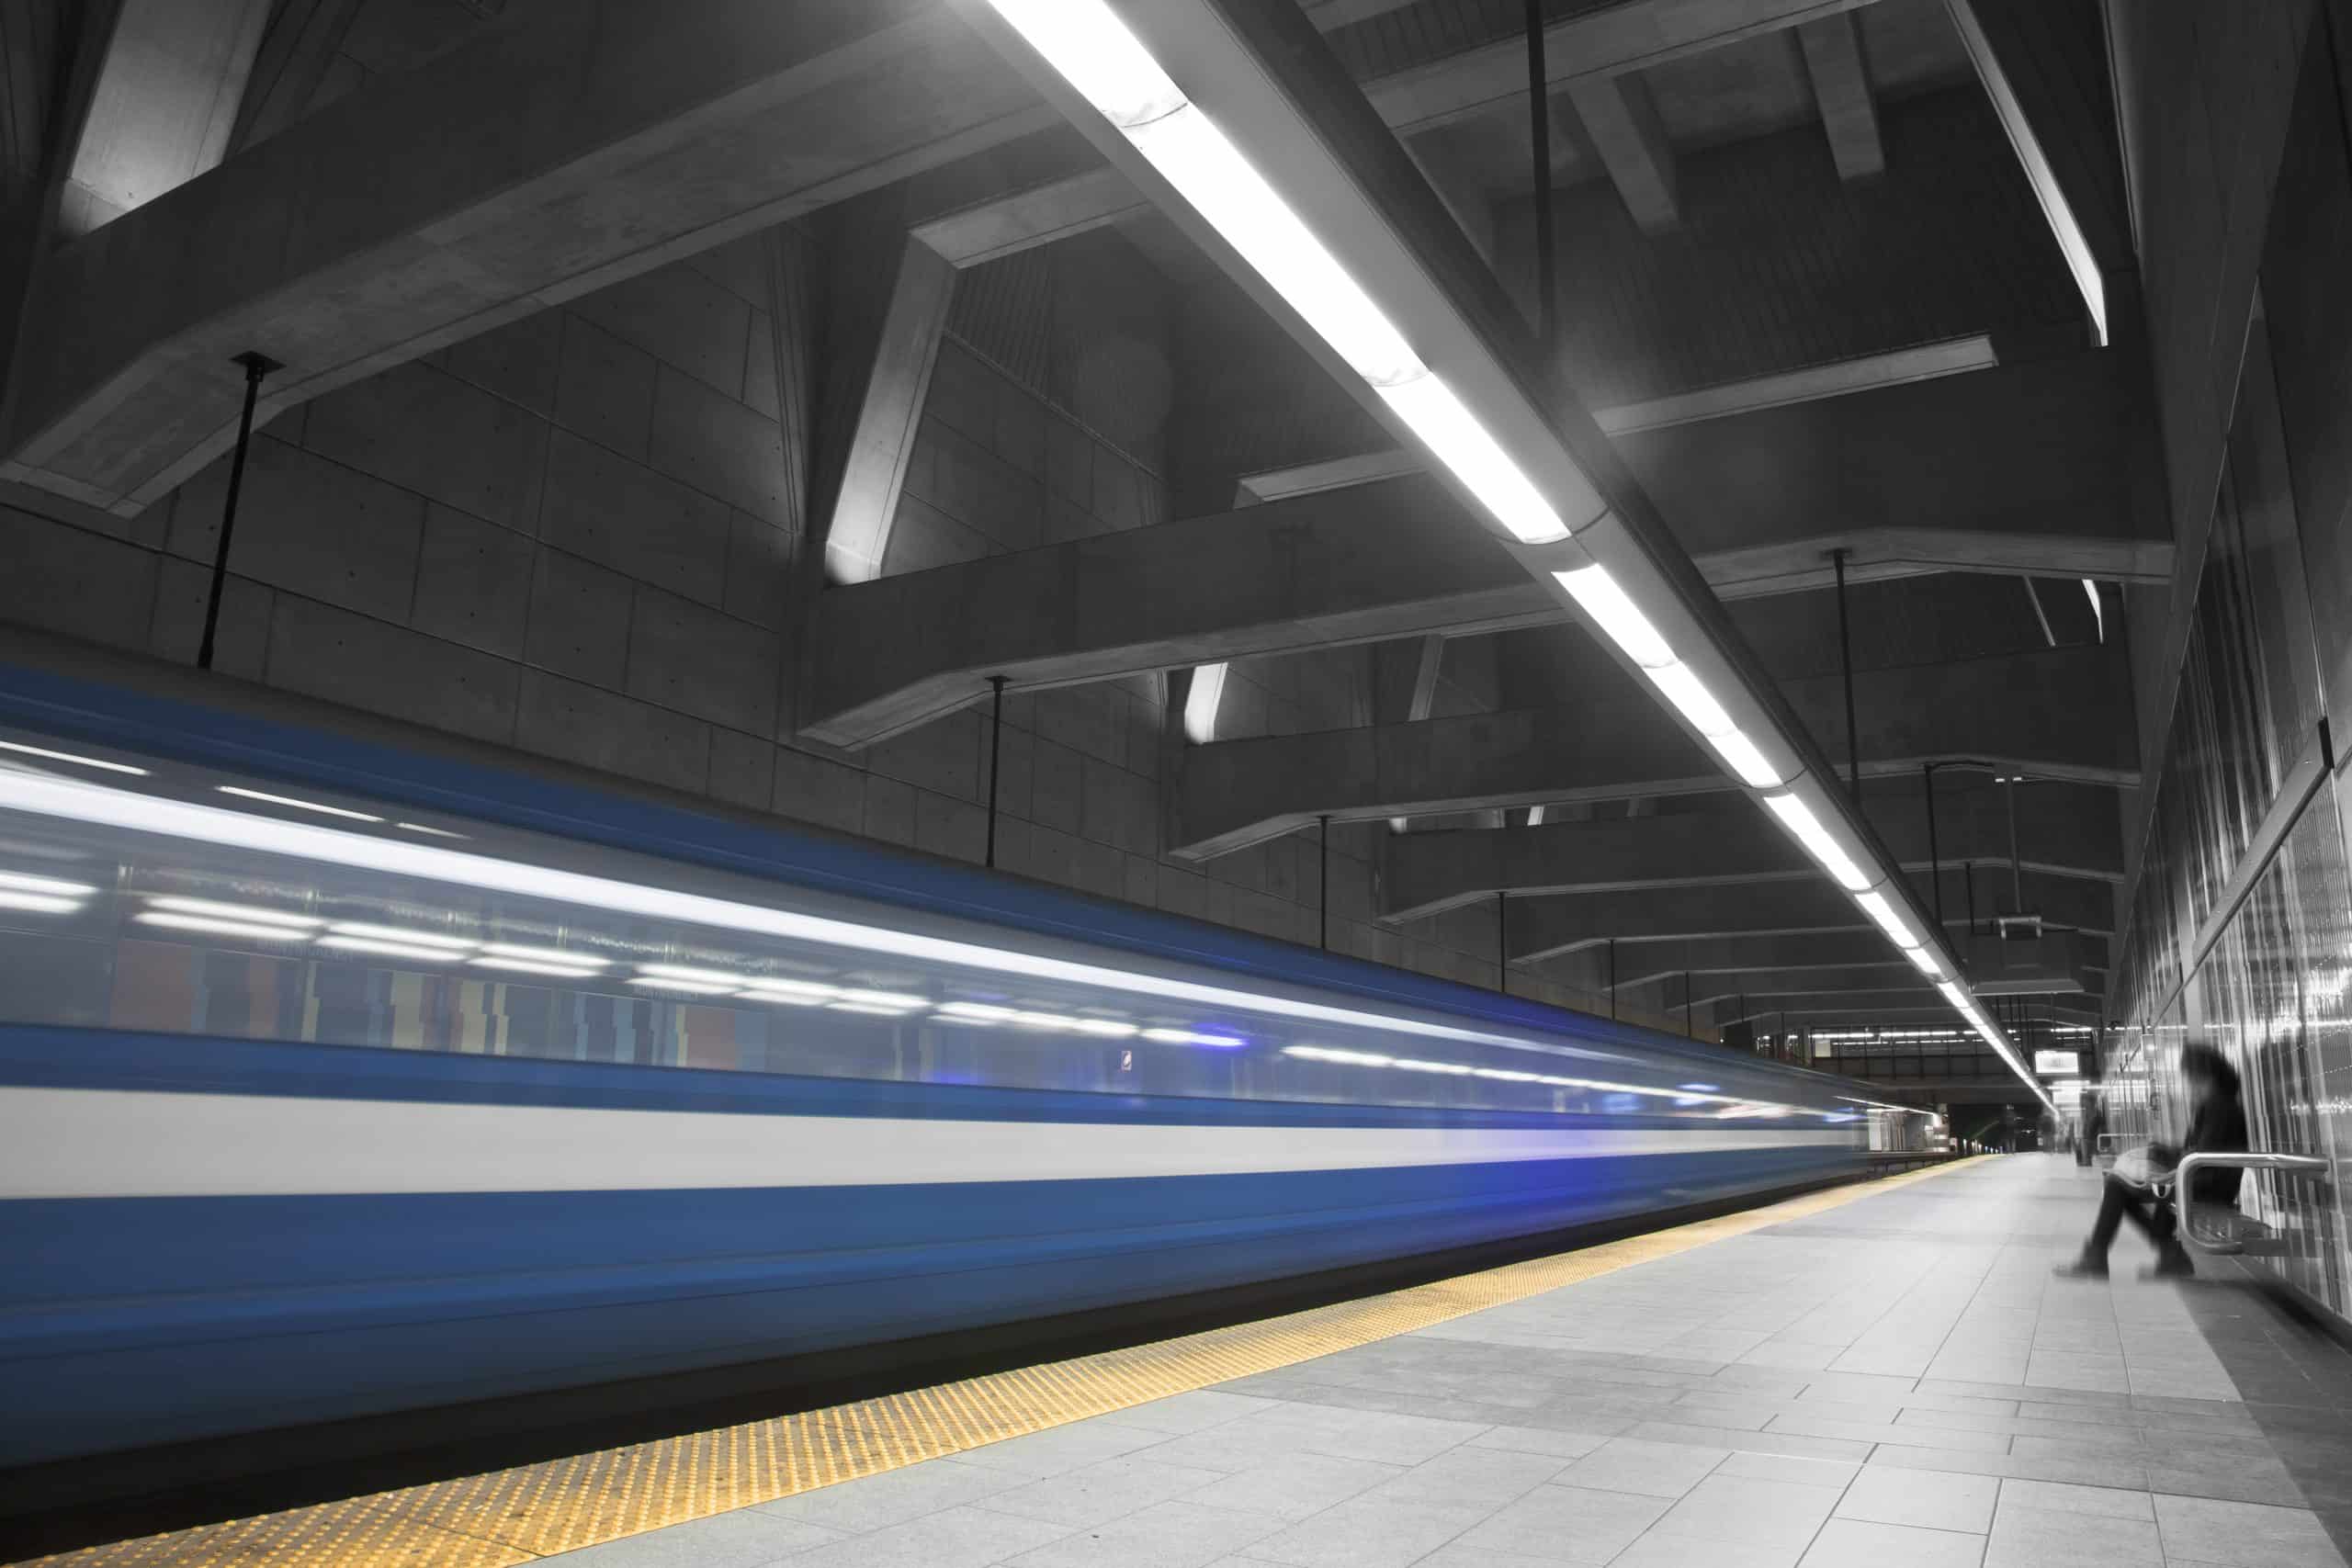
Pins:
<point x="244" y="792"/>
<point x="21" y="882"/>
<point x="206" y="923"/>
<point x="98" y="804"/>
<point x="78" y="761"/>
<point x="248" y="912"/>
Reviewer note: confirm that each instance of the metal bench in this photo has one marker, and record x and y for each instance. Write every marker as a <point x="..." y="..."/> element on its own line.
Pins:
<point x="2234" y="1233"/>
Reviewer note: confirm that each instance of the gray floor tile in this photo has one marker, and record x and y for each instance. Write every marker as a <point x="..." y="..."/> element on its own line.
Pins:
<point x="744" y="1539"/>
<point x="1855" y="1543"/>
<point x="1931" y="1499"/>
<point x="2059" y="1498"/>
<point x="1738" y="1507"/>
<point x="2214" y="1531"/>
<point x="1365" y="1533"/>
<point x="1568" y="1524"/>
<point x="1539" y="1440"/>
<point x="1656" y="1551"/>
<point x="1181" y="1413"/>
<point x="1060" y="1448"/>
<point x="1764" y="1442"/>
<point x="955" y="1538"/>
<point x="1791" y="1467"/>
<point x="1657" y="1469"/>
<point x="2037" y="1538"/>
<point x="893" y="1497"/>
<point x="1293" y="1486"/>
<point x="1095" y="1493"/>
<point x="1167" y="1535"/>
<point x="1482" y="1478"/>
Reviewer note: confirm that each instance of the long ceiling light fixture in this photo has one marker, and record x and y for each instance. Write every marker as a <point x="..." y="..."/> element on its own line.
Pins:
<point x="1200" y="102"/>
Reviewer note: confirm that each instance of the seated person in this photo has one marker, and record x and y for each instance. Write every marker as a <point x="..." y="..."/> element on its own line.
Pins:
<point x="2216" y="1125"/>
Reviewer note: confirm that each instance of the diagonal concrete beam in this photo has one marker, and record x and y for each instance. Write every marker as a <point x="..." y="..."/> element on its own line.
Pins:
<point x="2063" y="829"/>
<point x="896" y="255"/>
<point x="1667" y="961"/>
<point x="2060" y="714"/>
<point x="1605" y="41"/>
<point x="1625" y="130"/>
<point x="2009" y="471"/>
<point x="1312" y="570"/>
<point x="1541" y="928"/>
<point x="1841" y="87"/>
<point x="579" y="146"/>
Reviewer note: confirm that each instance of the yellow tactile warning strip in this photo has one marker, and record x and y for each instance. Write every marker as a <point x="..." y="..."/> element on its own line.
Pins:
<point x="534" y="1511"/>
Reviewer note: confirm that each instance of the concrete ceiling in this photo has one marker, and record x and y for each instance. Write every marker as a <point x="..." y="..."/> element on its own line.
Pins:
<point x="1766" y="210"/>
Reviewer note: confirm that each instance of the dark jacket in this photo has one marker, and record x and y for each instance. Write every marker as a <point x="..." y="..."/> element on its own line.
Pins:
<point x="2217" y="1128"/>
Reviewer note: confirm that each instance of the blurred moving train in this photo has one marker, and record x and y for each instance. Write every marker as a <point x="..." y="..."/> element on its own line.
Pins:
<point x="338" y="1080"/>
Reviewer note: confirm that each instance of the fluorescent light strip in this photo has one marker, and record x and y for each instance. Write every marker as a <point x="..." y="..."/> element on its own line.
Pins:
<point x="102" y="806"/>
<point x="243" y="794"/>
<point x="1798" y="817"/>
<point x="80" y="762"/>
<point x="37" y="903"/>
<point x="1432" y="411"/>
<point x="21" y="882"/>
<point x="1225" y="188"/>
<point x="347" y="943"/>
<point x="562" y="956"/>
<point x="533" y="966"/>
<point x="402" y="936"/>
<point x="1924" y="959"/>
<point x="251" y="913"/>
<point x="1614" y="612"/>
<point x="1085" y="42"/>
<point x="1874" y="904"/>
<point x="979" y="1012"/>
<point x="876" y="1008"/>
<point x="218" y="928"/>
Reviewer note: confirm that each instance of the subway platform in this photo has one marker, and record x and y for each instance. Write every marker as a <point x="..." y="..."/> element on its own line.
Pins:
<point x="1885" y="1373"/>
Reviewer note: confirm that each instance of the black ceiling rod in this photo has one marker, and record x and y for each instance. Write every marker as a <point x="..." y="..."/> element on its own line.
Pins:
<point x="256" y="366"/>
<point x="1539" y="121"/>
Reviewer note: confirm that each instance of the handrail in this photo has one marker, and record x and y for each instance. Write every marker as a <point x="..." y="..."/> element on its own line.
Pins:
<point x="2182" y="1190"/>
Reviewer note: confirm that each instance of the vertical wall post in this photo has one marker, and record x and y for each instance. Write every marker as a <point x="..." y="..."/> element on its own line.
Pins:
<point x="256" y="366"/>
<point x="1613" y="979"/>
<point x="1502" y="942"/>
<point x="1846" y="662"/>
<point x="1686" y="1006"/>
<point x="996" y="759"/>
<point x="1323" y="884"/>
<point x="1935" y="860"/>
<point x="2017" y="877"/>
<point x="1539" y="129"/>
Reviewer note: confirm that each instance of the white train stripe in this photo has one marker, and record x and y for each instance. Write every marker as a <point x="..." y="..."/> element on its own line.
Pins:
<point x="72" y="1142"/>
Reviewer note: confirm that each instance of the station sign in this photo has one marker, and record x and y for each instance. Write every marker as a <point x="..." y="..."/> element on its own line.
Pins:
<point x="2058" y="1063"/>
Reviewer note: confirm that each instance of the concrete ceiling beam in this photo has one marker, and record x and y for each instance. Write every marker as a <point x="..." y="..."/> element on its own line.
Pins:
<point x="546" y="159"/>
<point x="1543" y="927"/>
<point x="896" y="255"/>
<point x="2063" y="829"/>
<point x="1622" y="122"/>
<point x="2006" y="471"/>
<point x="1596" y="44"/>
<point x="2059" y="714"/>
<point x="1842" y="88"/>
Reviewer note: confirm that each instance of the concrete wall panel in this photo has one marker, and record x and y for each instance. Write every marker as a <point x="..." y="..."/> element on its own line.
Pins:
<point x="579" y="619"/>
<point x="321" y="651"/>
<point x="473" y="582"/>
<point x="684" y="657"/>
<point x="709" y="440"/>
<point x="312" y="527"/>
<point x="639" y="523"/>
<point x="605" y="388"/>
<point x="425" y="430"/>
<point x="602" y="729"/>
